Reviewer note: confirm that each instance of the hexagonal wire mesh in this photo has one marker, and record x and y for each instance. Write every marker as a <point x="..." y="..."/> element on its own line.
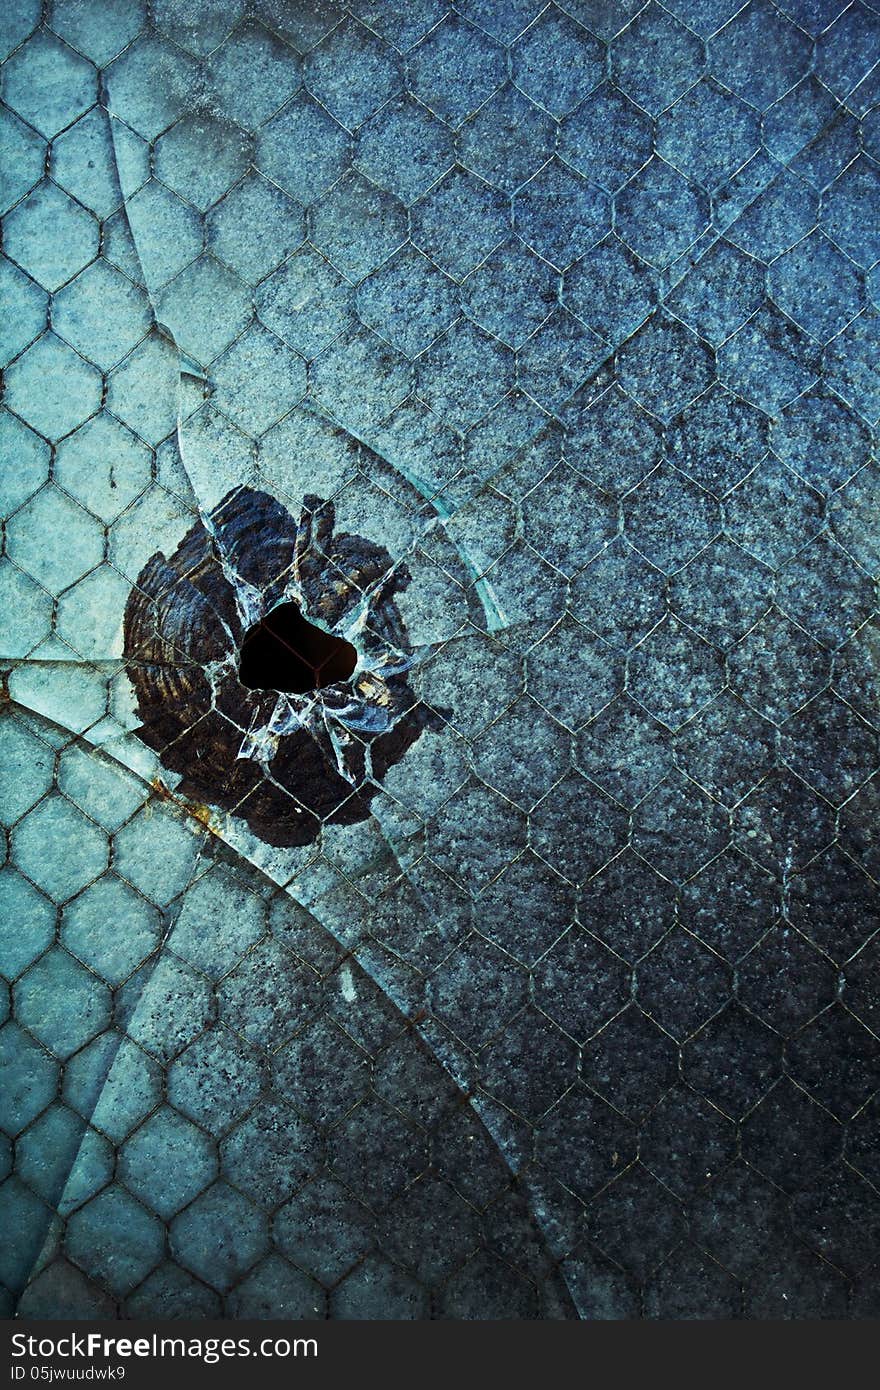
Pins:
<point x="564" y="1004"/>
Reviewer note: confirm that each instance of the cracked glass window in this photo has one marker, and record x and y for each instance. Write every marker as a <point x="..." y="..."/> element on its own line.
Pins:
<point x="439" y="706"/>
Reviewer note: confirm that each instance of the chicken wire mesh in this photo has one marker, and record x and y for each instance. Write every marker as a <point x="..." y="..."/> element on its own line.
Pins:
<point x="533" y="350"/>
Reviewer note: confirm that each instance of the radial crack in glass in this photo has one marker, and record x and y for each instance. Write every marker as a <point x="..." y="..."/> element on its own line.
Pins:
<point x="284" y="760"/>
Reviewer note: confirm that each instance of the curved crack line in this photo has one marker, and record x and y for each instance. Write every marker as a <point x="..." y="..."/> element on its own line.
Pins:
<point x="383" y="982"/>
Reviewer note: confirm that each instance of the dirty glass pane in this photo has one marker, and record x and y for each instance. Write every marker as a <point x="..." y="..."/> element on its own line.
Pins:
<point x="439" y="724"/>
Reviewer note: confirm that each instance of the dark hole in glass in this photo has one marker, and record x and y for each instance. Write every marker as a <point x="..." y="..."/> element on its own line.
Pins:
<point x="286" y="652"/>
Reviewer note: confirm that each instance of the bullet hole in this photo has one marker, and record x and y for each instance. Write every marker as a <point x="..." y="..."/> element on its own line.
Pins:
<point x="280" y="722"/>
<point x="284" y="651"/>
